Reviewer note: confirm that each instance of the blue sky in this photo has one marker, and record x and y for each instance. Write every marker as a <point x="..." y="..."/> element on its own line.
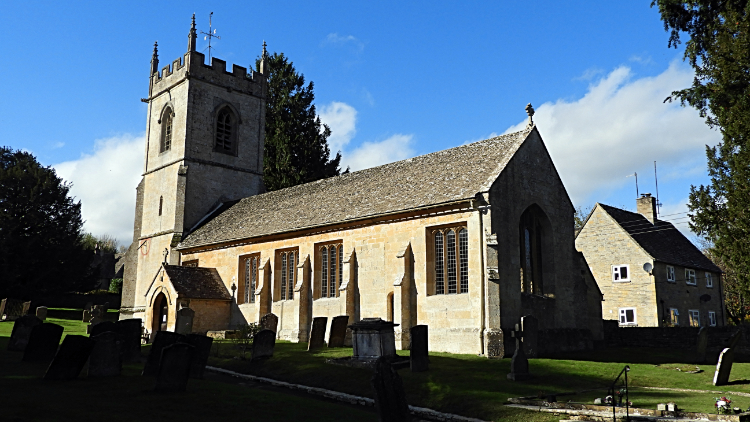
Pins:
<point x="393" y="80"/>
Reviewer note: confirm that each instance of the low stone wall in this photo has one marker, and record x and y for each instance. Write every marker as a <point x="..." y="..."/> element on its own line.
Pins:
<point x="553" y="342"/>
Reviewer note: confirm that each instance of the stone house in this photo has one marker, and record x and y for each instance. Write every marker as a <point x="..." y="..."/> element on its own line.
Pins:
<point x="651" y="275"/>
<point x="465" y="240"/>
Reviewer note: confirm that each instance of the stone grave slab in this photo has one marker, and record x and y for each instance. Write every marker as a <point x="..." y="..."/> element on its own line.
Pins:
<point x="13" y="309"/>
<point x="530" y="328"/>
<point x="263" y="344"/>
<point x="174" y="367"/>
<point x="202" y="345"/>
<point x="184" y="324"/>
<point x="130" y="335"/>
<point x="390" y="397"/>
<point x="43" y="342"/>
<point x="338" y="331"/>
<point x="701" y="345"/>
<point x="3" y="303"/>
<point x="25" y="308"/>
<point x="70" y="358"/>
<point x="418" y="354"/>
<point x="41" y="313"/>
<point x="19" y="337"/>
<point x="519" y="364"/>
<point x="724" y="367"/>
<point x="269" y="322"/>
<point x="162" y="339"/>
<point x="102" y="327"/>
<point x="318" y="333"/>
<point x="105" y="359"/>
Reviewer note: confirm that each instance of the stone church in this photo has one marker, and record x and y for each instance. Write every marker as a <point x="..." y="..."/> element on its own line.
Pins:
<point x="466" y="240"/>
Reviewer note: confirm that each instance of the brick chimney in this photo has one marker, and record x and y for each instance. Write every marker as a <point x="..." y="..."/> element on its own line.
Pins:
<point x="647" y="207"/>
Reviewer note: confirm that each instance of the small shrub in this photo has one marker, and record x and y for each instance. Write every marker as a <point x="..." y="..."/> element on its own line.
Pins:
<point x="115" y="285"/>
<point x="243" y="338"/>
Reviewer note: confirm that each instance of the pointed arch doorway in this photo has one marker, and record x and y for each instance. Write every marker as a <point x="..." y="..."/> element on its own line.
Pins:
<point x="160" y="313"/>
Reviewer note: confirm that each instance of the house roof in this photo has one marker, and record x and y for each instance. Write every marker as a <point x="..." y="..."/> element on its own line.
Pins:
<point x="428" y="180"/>
<point x="662" y="240"/>
<point x="197" y="282"/>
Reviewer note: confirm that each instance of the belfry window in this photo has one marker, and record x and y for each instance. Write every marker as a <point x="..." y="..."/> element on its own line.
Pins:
<point x="226" y="126"/>
<point x="331" y="266"/>
<point x="451" y="260"/>
<point x="288" y="273"/>
<point x="166" y="130"/>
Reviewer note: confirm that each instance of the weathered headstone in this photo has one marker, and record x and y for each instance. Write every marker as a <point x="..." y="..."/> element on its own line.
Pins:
<point x="390" y="398"/>
<point x="13" y="309"/>
<point x="26" y="307"/>
<point x="102" y="327"/>
<point x="174" y="367"/>
<point x="19" y="337"/>
<point x="105" y="360"/>
<point x="530" y="329"/>
<point x="702" y="344"/>
<point x="2" y="307"/>
<point x="41" y="313"/>
<point x="184" y="323"/>
<point x="519" y="364"/>
<point x="43" y="342"/>
<point x="263" y="344"/>
<point x="86" y="316"/>
<point x="318" y="333"/>
<point x="130" y="335"/>
<point x="418" y="354"/>
<point x="162" y="339"/>
<point x="70" y="358"/>
<point x="724" y="367"/>
<point x="202" y="349"/>
<point x="338" y="331"/>
<point x="95" y="320"/>
<point x="269" y="322"/>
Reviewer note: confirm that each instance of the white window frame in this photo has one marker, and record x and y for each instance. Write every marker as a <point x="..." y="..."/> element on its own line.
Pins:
<point x="694" y="316"/>
<point x="622" y="312"/>
<point x="617" y="271"/>
<point x="709" y="279"/>
<point x="674" y="316"/>
<point x="712" y="318"/>
<point x="670" y="274"/>
<point x="690" y="277"/>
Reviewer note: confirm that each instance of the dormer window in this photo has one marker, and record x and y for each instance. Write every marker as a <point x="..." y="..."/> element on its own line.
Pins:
<point x="226" y="131"/>
<point x="166" y="130"/>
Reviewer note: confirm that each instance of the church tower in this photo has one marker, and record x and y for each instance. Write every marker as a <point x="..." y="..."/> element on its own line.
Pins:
<point x="204" y="147"/>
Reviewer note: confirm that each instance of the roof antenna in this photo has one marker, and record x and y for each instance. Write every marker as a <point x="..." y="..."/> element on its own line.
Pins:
<point x="530" y="112"/>
<point x="637" y="195"/>
<point x="656" y="180"/>
<point x="210" y="35"/>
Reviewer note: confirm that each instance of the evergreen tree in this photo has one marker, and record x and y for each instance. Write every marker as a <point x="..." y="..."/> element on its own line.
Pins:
<point x="718" y="49"/>
<point x="41" y="249"/>
<point x="296" y="146"/>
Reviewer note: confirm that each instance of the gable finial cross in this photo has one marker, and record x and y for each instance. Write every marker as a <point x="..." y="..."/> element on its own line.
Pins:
<point x="530" y="112"/>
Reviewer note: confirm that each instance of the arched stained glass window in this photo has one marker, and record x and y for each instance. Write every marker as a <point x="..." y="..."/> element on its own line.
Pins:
<point x="451" y="270"/>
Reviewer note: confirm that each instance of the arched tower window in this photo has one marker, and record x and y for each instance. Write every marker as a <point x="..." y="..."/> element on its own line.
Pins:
<point x="166" y="130"/>
<point x="226" y="131"/>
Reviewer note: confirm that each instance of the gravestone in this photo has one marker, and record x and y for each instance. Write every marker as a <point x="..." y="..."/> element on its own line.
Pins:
<point x="102" y="327"/>
<point x="162" y="339"/>
<point x="11" y="309"/>
<point x="269" y="322"/>
<point x="263" y="344"/>
<point x="530" y="329"/>
<point x="43" y="342"/>
<point x="174" y="367"/>
<point x="390" y="398"/>
<point x="105" y="360"/>
<point x="86" y="316"/>
<point x="700" y="349"/>
<point x="41" y="313"/>
<point x="130" y="335"/>
<point x="25" y="309"/>
<point x="89" y="306"/>
<point x="418" y="354"/>
<point x="519" y="364"/>
<point x="724" y="367"/>
<point x="19" y="337"/>
<point x="338" y="331"/>
<point x="2" y="307"/>
<point x="318" y="333"/>
<point x="70" y="358"/>
<point x="184" y="323"/>
<point x="202" y="349"/>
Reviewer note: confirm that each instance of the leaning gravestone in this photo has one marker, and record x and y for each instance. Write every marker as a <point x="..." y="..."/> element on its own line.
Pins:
<point x="702" y="344"/>
<point x="263" y="344"/>
<point x="519" y="364"/>
<point x="318" y="333"/>
<point x="19" y="337"/>
<point x="86" y="316"/>
<point x="269" y="322"/>
<point x="43" y="342"/>
<point x="338" y="331"/>
<point x="70" y="358"/>
<point x="418" y="354"/>
<point x="102" y="327"/>
<point x="184" y="323"/>
<point x="161" y="340"/>
<point x="724" y="367"/>
<point x="390" y="398"/>
<point x="25" y="309"/>
<point x="130" y="335"/>
<point x="174" y="367"/>
<point x="202" y="349"/>
<point x="105" y="360"/>
<point x="13" y="309"/>
<point x="530" y="329"/>
<point x="41" y="313"/>
<point x="3" y="304"/>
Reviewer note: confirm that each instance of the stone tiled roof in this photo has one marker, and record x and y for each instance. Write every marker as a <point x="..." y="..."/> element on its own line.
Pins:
<point x="662" y="241"/>
<point x="428" y="180"/>
<point x="197" y="282"/>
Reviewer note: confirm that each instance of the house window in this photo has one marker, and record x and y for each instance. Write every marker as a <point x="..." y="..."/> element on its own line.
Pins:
<point x="191" y="263"/>
<point x="250" y="278"/>
<point x="627" y="316"/>
<point x="331" y="265"/>
<point x="690" y="277"/>
<point x="709" y="280"/>
<point x="166" y="130"/>
<point x="674" y="317"/>
<point x="287" y="273"/>
<point x="226" y="128"/>
<point x="670" y="274"/>
<point x="451" y="253"/>
<point x="695" y="318"/>
<point x="712" y="318"/>
<point x="620" y="273"/>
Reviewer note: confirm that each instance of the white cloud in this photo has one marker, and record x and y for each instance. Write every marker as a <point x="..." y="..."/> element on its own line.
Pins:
<point x="336" y="39"/>
<point x="371" y="154"/>
<point x="620" y="126"/>
<point x="58" y="145"/>
<point x="341" y="118"/>
<point x="105" y="183"/>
